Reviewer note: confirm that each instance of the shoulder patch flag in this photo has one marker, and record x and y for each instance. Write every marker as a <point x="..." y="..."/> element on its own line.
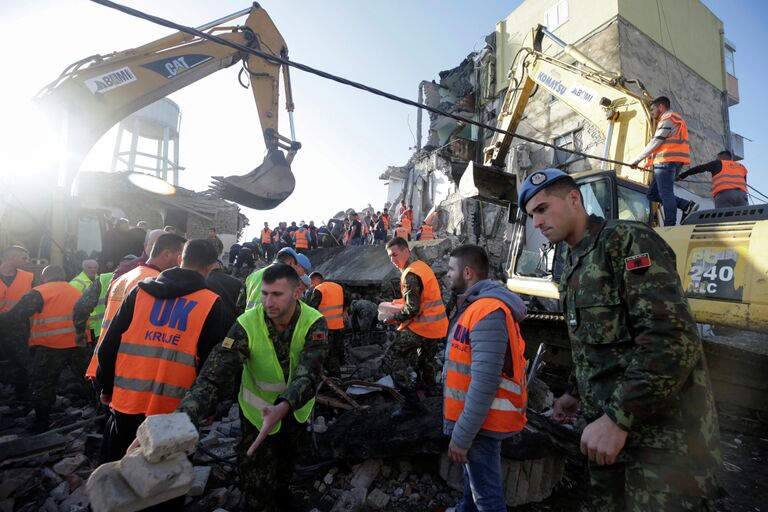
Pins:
<point x="637" y="262"/>
<point x="318" y="336"/>
<point x="228" y="342"/>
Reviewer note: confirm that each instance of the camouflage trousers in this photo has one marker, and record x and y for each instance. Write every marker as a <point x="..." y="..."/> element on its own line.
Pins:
<point x="47" y="366"/>
<point x="265" y="476"/>
<point x="411" y="361"/>
<point x="640" y="486"/>
<point x="335" y="357"/>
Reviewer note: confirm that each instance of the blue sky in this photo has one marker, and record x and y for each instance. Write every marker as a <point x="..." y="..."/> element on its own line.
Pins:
<point x="349" y="136"/>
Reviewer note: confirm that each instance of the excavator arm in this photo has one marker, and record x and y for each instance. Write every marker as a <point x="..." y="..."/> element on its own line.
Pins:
<point x="94" y="94"/>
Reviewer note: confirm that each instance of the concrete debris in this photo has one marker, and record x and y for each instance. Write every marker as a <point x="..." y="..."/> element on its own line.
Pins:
<point x="147" y="479"/>
<point x="202" y="473"/>
<point x="164" y="435"/>
<point x="68" y="465"/>
<point x="366" y="473"/>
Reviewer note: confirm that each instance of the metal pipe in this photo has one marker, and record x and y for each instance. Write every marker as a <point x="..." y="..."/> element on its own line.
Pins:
<point x="419" y="116"/>
<point x="572" y="51"/>
<point x="219" y="21"/>
<point x="607" y="147"/>
<point x="293" y="132"/>
<point x="553" y="37"/>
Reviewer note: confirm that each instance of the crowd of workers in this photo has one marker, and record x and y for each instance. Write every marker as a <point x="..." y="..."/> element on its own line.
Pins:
<point x="172" y="332"/>
<point x="368" y="228"/>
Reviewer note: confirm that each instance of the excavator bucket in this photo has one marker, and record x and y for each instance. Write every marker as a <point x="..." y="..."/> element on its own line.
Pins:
<point x="264" y="188"/>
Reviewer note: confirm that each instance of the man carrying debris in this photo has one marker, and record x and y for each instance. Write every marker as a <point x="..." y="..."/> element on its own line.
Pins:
<point x="729" y="180"/>
<point x="640" y="374"/>
<point x="52" y="340"/>
<point x="153" y="348"/>
<point x="278" y="347"/>
<point x="84" y="279"/>
<point x="484" y="377"/>
<point x="423" y="323"/>
<point x="250" y="296"/>
<point x="330" y="299"/>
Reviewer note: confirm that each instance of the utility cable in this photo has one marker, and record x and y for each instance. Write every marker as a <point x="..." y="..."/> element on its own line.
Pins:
<point x="329" y="76"/>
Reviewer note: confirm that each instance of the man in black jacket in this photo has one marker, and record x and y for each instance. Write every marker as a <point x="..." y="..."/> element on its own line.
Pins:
<point x="228" y="289"/>
<point x="175" y="284"/>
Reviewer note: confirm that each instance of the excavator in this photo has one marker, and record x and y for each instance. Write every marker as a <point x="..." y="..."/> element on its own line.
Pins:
<point x="718" y="251"/>
<point x="93" y="94"/>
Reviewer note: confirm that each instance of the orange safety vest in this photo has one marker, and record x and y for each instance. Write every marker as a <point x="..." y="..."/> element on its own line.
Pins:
<point x="677" y="149"/>
<point x="409" y="214"/>
<point x="732" y="175"/>
<point x="406" y="222"/>
<point x="157" y="360"/>
<point x="431" y="322"/>
<point x="386" y="221"/>
<point x="402" y="232"/>
<point x="507" y="411"/>
<point x="332" y="304"/>
<point x="118" y="290"/>
<point x="53" y="327"/>
<point x="266" y="236"/>
<point x="427" y="233"/>
<point x="20" y="286"/>
<point x="300" y="237"/>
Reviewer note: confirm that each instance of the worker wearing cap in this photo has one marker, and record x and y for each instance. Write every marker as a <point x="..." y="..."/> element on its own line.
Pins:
<point x="278" y="348"/>
<point x="52" y="340"/>
<point x="330" y="299"/>
<point x="84" y="279"/>
<point x="422" y="325"/>
<point x="14" y="284"/>
<point x="251" y="294"/>
<point x="729" y="180"/>
<point x="640" y="376"/>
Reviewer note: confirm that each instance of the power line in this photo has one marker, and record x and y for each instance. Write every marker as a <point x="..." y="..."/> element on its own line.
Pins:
<point x="323" y="74"/>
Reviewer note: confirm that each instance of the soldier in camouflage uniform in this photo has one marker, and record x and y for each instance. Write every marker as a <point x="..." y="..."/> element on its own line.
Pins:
<point x="640" y="374"/>
<point x="264" y="477"/>
<point x="410" y="358"/>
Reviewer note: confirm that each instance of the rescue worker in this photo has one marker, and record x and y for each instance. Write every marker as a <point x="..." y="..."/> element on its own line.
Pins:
<point x="155" y="345"/>
<point x="266" y="241"/>
<point x="89" y="309"/>
<point x="406" y="223"/>
<point x="312" y="235"/>
<point x="423" y="324"/>
<point x="402" y="232"/>
<point x="484" y="377"/>
<point x="14" y="284"/>
<point x="251" y="294"/>
<point x="278" y="347"/>
<point x="164" y="254"/>
<point x="355" y="230"/>
<point x="90" y="268"/>
<point x="301" y="239"/>
<point x="729" y="180"/>
<point x="330" y="299"/>
<point x="363" y="315"/>
<point x="426" y="233"/>
<point x="669" y="151"/>
<point x="52" y="340"/>
<point x="641" y="378"/>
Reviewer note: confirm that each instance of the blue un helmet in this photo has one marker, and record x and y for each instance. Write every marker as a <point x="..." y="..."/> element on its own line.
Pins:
<point x="537" y="181"/>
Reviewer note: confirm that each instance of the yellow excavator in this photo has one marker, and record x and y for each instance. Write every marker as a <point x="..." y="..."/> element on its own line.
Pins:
<point x="718" y="251"/>
<point x="93" y="94"/>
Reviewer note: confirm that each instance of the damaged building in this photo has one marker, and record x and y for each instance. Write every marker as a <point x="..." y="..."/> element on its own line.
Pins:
<point x="621" y="36"/>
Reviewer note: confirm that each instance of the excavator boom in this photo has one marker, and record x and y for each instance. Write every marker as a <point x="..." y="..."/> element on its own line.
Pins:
<point x="94" y="94"/>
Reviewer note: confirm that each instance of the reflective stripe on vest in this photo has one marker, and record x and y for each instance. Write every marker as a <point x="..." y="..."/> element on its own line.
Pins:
<point x="431" y="322"/>
<point x="402" y="232"/>
<point x="10" y="295"/>
<point x="81" y="282"/>
<point x="53" y="327"/>
<point x="253" y="287"/>
<point x="732" y="175"/>
<point x="97" y="315"/>
<point x="507" y="411"/>
<point x="263" y="378"/>
<point x="426" y="232"/>
<point x="300" y="238"/>
<point x="332" y="304"/>
<point x="118" y="290"/>
<point x="157" y="360"/>
<point x="675" y="149"/>
<point x="266" y="236"/>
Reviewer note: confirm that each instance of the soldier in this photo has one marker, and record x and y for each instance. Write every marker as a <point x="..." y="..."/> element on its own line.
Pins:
<point x="640" y="374"/>
<point x="423" y="323"/>
<point x="54" y="345"/>
<point x="250" y="295"/>
<point x="331" y="300"/>
<point x="278" y="347"/>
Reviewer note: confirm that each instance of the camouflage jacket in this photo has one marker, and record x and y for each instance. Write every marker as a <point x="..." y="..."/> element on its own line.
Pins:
<point x="412" y="295"/>
<point x="14" y="325"/>
<point x="636" y="351"/>
<point x="222" y="370"/>
<point x="85" y="305"/>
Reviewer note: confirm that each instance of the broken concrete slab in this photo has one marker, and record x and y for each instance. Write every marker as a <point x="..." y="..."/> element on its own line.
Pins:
<point x="27" y="447"/>
<point x="202" y="473"/>
<point x="365" y="352"/>
<point x="164" y="435"/>
<point x="350" y="501"/>
<point x="68" y="465"/>
<point x="377" y="499"/>
<point x="366" y="473"/>
<point x="78" y="500"/>
<point x="148" y="479"/>
<point x="354" y="266"/>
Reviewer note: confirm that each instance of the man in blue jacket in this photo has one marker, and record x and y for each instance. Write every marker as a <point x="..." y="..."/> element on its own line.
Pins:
<point x="484" y="376"/>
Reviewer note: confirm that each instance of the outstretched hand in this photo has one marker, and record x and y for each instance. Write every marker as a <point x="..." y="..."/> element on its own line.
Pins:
<point x="271" y="415"/>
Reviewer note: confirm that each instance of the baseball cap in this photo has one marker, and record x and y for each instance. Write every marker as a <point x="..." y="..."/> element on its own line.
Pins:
<point x="536" y="182"/>
<point x="302" y="260"/>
